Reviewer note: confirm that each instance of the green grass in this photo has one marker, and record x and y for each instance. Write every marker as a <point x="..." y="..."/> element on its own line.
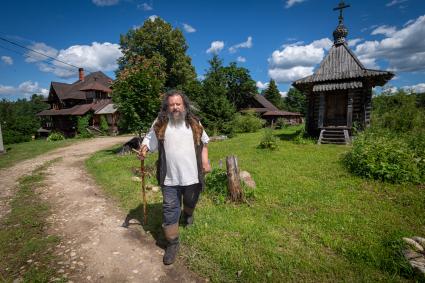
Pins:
<point x="26" y="251"/>
<point x="311" y="220"/>
<point x="21" y="151"/>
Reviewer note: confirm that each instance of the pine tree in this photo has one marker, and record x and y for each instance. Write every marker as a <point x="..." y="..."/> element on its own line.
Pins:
<point x="272" y="94"/>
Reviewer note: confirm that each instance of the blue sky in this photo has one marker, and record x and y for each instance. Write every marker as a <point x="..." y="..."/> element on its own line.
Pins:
<point x="280" y="39"/>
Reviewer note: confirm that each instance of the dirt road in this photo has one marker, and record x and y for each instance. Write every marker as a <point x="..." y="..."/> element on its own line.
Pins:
<point x="94" y="247"/>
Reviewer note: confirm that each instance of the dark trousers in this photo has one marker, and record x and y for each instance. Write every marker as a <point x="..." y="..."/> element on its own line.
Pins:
<point x="172" y="198"/>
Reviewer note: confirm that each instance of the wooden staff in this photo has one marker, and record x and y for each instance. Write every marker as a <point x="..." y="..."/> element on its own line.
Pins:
<point x="145" y="213"/>
<point x="142" y="172"/>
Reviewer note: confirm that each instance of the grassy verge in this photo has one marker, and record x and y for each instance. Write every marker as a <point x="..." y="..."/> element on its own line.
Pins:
<point x="21" y="151"/>
<point x="311" y="220"/>
<point x="26" y="251"/>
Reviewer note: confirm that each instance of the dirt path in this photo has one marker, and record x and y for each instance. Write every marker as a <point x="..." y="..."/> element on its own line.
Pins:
<point x="94" y="248"/>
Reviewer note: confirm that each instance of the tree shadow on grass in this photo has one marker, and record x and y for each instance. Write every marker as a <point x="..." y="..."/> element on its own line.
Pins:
<point x="288" y="136"/>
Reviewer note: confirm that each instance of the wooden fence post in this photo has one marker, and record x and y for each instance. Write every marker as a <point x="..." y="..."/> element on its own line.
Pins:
<point x="233" y="180"/>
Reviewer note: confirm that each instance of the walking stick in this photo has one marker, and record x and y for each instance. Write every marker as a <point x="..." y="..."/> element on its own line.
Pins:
<point x="142" y="170"/>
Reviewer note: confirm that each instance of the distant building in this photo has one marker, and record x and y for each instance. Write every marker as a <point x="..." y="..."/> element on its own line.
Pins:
<point x="267" y="111"/>
<point x="339" y="93"/>
<point x="88" y="95"/>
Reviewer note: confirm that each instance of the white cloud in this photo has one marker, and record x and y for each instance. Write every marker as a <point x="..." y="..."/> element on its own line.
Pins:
<point x="42" y="48"/>
<point x="292" y="44"/>
<point x="246" y="44"/>
<point x="404" y="50"/>
<point x="291" y="74"/>
<point x="188" y="28"/>
<point x="103" y="3"/>
<point x="152" y="17"/>
<point x="94" y="57"/>
<point x="283" y="93"/>
<point x="262" y="85"/>
<point x="145" y="7"/>
<point x="418" y="88"/>
<point x="25" y="89"/>
<point x="295" y="61"/>
<point x="385" y="30"/>
<point x="7" y="60"/>
<point x="216" y="46"/>
<point x="290" y="3"/>
<point x="395" y="2"/>
<point x="353" y="42"/>
<point x="241" y="59"/>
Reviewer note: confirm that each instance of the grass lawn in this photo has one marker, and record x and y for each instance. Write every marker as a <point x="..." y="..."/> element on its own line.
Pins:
<point x="26" y="251"/>
<point x="21" y="151"/>
<point x="311" y="220"/>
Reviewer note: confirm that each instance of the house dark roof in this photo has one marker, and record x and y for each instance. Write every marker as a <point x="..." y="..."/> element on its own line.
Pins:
<point x="76" y="90"/>
<point x="267" y="109"/>
<point x="77" y="110"/>
<point x="341" y="69"/>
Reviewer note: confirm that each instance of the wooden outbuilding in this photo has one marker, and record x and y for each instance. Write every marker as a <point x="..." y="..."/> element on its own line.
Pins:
<point x="339" y="93"/>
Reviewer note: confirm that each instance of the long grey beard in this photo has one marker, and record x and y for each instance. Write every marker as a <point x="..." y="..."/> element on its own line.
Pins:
<point x="178" y="119"/>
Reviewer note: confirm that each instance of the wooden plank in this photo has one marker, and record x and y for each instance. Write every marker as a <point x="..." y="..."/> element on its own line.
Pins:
<point x="233" y="180"/>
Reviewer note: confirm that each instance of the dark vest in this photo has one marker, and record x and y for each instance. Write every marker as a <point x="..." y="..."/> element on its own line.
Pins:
<point x="159" y="128"/>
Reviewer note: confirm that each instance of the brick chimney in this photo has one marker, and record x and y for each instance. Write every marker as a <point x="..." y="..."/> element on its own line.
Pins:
<point x="81" y="74"/>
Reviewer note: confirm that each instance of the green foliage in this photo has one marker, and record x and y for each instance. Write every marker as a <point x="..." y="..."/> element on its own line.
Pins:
<point x="18" y="120"/>
<point x="216" y="185"/>
<point x="247" y="123"/>
<point x="104" y="127"/>
<point x="154" y="60"/>
<point x="55" y="136"/>
<point x="269" y="141"/>
<point x="272" y="94"/>
<point x="295" y="101"/>
<point x="240" y="87"/>
<point x="216" y="110"/>
<point x="393" y="149"/>
<point x="158" y="39"/>
<point x="385" y="157"/>
<point x="280" y="123"/>
<point x="301" y="137"/>
<point x="83" y="123"/>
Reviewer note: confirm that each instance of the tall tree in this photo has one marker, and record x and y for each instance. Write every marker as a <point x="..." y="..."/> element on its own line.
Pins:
<point x="239" y="85"/>
<point x="154" y="60"/>
<point x="158" y="38"/>
<point x="295" y="101"/>
<point x="272" y="94"/>
<point x="216" y="109"/>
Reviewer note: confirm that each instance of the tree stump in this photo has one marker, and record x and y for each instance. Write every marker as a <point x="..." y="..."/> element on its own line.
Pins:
<point x="233" y="180"/>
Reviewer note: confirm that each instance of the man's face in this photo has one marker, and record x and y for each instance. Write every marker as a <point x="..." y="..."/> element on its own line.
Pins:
<point x="175" y="106"/>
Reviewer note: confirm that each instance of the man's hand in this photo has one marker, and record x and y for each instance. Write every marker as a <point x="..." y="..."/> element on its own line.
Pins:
<point x="142" y="152"/>
<point x="206" y="167"/>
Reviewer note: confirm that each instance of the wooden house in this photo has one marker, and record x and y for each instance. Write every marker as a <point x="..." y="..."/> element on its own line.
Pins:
<point x="339" y="93"/>
<point x="267" y="111"/>
<point x="89" y="95"/>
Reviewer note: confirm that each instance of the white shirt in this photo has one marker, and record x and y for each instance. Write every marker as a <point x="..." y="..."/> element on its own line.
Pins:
<point x="182" y="169"/>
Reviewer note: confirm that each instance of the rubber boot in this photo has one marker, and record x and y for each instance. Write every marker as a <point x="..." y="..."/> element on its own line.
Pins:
<point x="171" y="233"/>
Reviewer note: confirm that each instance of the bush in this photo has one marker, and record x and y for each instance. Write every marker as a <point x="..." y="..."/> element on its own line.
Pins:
<point x="55" y="136"/>
<point x="280" y="123"/>
<point x="104" y="127"/>
<point x="83" y="123"/>
<point x="382" y="156"/>
<point x="301" y="137"/>
<point x="12" y="136"/>
<point x="247" y="123"/>
<point x="269" y="141"/>
<point x="216" y="185"/>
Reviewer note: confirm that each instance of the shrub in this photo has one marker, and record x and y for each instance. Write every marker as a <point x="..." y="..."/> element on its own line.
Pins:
<point x="55" y="136"/>
<point x="83" y="123"/>
<point x="247" y="123"/>
<point x="382" y="156"/>
<point x="216" y="185"/>
<point x="280" y="123"/>
<point x="269" y="141"/>
<point x="12" y="136"/>
<point x="104" y="127"/>
<point x="301" y="137"/>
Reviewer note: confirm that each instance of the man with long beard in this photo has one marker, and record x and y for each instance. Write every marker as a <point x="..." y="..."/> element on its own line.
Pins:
<point x="182" y="162"/>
